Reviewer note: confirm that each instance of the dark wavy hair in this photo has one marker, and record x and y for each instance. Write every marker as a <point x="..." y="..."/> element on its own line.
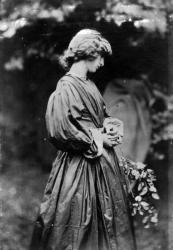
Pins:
<point x="86" y="44"/>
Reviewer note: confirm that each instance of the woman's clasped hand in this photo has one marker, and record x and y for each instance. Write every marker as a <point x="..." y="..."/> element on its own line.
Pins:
<point x="113" y="132"/>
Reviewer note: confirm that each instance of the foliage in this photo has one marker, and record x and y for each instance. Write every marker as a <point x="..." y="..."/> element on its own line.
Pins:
<point x="150" y="15"/>
<point x="150" y="20"/>
<point x="141" y="191"/>
<point x="26" y="13"/>
<point x="162" y="127"/>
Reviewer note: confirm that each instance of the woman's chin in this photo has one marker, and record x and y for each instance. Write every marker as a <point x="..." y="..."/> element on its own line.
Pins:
<point x="94" y="70"/>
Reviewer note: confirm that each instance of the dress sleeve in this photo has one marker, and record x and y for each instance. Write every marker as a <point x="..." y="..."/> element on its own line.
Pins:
<point x="66" y="129"/>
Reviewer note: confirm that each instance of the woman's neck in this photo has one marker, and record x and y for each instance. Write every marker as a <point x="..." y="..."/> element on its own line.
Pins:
<point x="79" y="69"/>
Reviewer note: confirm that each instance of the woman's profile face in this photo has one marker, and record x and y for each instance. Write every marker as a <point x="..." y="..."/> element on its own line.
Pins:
<point x="95" y="64"/>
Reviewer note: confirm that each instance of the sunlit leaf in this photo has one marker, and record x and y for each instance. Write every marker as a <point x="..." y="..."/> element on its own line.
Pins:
<point x="141" y="212"/>
<point x="140" y="165"/>
<point x="152" y="189"/>
<point x="135" y="204"/>
<point x="141" y="184"/>
<point x="155" y="196"/>
<point x="144" y="203"/>
<point x="149" y="170"/>
<point x="145" y="219"/>
<point x="135" y="173"/>
<point x="154" y="219"/>
<point x="134" y="211"/>
<point x="143" y="174"/>
<point x="144" y="191"/>
<point x="138" y="198"/>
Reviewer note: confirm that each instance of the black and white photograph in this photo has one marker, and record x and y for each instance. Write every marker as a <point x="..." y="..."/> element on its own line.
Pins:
<point x="86" y="125"/>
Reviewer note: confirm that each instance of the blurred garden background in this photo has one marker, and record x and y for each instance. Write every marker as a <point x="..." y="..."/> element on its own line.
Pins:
<point x="138" y="78"/>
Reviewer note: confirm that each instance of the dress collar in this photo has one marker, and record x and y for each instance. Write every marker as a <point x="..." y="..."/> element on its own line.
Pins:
<point x="83" y="78"/>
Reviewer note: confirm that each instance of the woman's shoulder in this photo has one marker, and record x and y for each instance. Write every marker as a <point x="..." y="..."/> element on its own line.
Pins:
<point x="68" y="79"/>
<point x="65" y="81"/>
<point x="68" y="84"/>
<point x="67" y="88"/>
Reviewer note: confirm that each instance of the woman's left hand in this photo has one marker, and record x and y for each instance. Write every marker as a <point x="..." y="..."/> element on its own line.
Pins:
<point x="114" y="127"/>
<point x="117" y="139"/>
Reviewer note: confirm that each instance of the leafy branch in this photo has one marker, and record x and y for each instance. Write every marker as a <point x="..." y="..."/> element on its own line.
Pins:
<point x="142" y="191"/>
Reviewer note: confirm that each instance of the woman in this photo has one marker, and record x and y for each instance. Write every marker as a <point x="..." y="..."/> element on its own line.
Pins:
<point x="84" y="205"/>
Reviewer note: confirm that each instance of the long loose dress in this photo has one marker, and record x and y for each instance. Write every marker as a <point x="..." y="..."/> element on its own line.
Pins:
<point x="85" y="204"/>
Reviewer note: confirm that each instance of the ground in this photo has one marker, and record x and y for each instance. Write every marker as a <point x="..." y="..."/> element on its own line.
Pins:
<point x="21" y="189"/>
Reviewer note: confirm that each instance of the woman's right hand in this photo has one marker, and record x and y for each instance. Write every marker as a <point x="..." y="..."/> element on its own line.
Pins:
<point x="110" y="141"/>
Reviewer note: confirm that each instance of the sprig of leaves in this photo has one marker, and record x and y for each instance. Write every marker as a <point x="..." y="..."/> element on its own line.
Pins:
<point x="142" y="192"/>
